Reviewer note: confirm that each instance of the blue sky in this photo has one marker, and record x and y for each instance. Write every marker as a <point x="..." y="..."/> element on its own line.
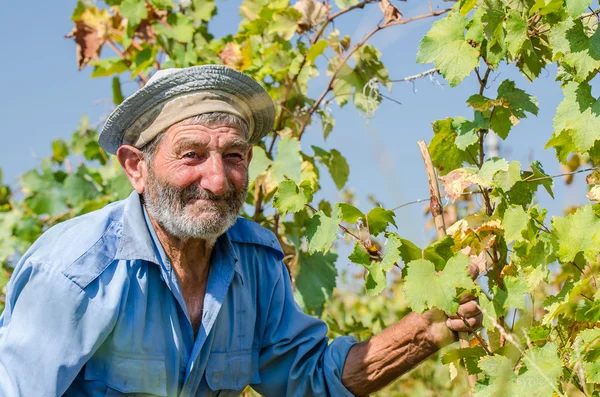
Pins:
<point x="44" y="96"/>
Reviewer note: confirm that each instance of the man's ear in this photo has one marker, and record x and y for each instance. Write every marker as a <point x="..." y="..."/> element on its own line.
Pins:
<point x="250" y="154"/>
<point x="132" y="161"/>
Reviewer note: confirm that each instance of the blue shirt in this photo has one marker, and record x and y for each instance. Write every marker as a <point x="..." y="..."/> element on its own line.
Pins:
<point x="94" y="308"/>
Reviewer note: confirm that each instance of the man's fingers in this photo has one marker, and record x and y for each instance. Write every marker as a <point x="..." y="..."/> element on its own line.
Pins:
<point x="464" y="298"/>
<point x="473" y="271"/>
<point x="459" y="325"/>
<point x="469" y="309"/>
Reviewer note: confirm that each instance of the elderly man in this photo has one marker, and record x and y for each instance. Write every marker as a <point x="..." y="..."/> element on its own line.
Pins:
<point x="169" y="293"/>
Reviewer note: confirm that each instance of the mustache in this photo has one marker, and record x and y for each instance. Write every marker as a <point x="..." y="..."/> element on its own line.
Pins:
<point x="195" y="192"/>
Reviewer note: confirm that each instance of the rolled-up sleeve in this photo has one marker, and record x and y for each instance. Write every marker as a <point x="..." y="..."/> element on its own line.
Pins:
<point x="296" y="358"/>
<point x="48" y="330"/>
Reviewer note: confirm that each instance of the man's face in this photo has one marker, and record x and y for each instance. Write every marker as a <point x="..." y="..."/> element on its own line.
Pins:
<point x="198" y="180"/>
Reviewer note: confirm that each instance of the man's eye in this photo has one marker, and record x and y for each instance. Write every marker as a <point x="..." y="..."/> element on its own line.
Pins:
<point x="235" y="156"/>
<point x="190" y="155"/>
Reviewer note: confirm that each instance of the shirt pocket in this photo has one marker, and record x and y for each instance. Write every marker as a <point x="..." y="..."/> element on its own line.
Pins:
<point x="232" y="371"/>
<point x="141" y="375"/>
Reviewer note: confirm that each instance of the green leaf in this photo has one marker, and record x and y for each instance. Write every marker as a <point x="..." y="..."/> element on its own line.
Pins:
<point x="492" y="18"/>
<point x="516" y="33"/>
<point x="576" y="7"/>
<point x="163" y="4"/>
<point x="459" y="354"/>
<point x="514" y="222"/>
<point x="108" y="67"/>
<point x="182" y="28"/>
<point x="465" y="6"/>
<point x="446" y="47"/>
<point x="48" y="202"/>
<point x="488" y="170"/>
<point x="578" y="232"/>
<point x="514" y="296"/>
<point x="60" y="150"/>
<point x="321" y="230"/>
<point x="259" y="164"/>
<point x="391" y="254"/>
<point x="579" y="55"/>
<point x="339" y="169"/>
<point x="285" y="24"/>
<point x="346" y="3"/>
<point x="546" y="360"/>
<point x="445" y="156"/>
<point x="440" y="290"/>
<point x="289" y="198"/>
<point x="514" y="103"/>
<point x="336" y="163"/>
<point x="538" y="333"/>
<point x="116" y="91"/>
<point x="134" y="10"/>
<point x="578" y="114"/>
<point x="350" y="213"/>
<point x="379" y="219"/>
<point x="505" y="180"/>
<point x="585" y="345"/>
<point x="359" y="255"/>
<point x="316" y="279"/>
<point x="288" y="162"/>
<point x="204" y="10"/>
<point x="77" y="189"/>
<point x="315" y="50"/>
<point x="375" y="281"/>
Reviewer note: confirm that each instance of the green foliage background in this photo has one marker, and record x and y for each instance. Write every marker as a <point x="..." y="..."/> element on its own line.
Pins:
<point x="539" y="273"/>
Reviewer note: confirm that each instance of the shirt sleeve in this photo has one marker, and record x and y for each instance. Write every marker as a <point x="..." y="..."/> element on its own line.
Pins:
<point x="296" y="358"/>
<point x="48" y="330"/>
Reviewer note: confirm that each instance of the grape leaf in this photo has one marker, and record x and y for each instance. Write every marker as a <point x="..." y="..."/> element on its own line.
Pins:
<point x="514" y="222"/>
<point x="391" y="254"/>
<point x="336" y="163"/>
<point x="514" y="295"/>
<point x="376" y="280"/>
<point x="586" y="343"/>
<point x="321" y="230"/>
<point x="578" y="232"/>
<point x="441" y="287"/>
<point x="316" y="279"/>
<point x="289" y="197"/>
<point x="446" y="47"/>
<point x="492" y="18"/>
<point x="579" y="55"/>
<point x="578" y="115"/>
<point x="259" y="164"/>
<point x="516" y="33"/>
<point x="288" y="162"/>
<point x="350" y="213"/>
<point x="379" y="219"/>
<point x="447" y="157"/>
<point x="576" y="7"/>
<point x="505" y="180"/>
<point x="134" y="10"/>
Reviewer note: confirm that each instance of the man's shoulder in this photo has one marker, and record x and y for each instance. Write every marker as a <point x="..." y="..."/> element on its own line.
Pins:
<point x="245" y="231"/>
<point x="81" y="247"/>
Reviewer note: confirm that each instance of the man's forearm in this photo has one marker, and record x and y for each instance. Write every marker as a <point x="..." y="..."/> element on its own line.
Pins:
<point x="372" y="364"/>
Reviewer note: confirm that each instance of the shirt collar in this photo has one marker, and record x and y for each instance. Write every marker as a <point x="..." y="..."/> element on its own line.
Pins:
<point x="139" y="240"/>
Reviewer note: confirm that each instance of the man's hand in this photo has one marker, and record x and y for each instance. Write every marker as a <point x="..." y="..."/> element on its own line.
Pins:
<point x="372" y="364"/>
<point x="444" y="329"/>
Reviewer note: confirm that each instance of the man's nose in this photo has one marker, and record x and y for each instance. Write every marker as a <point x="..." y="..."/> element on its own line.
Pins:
<point x="214" y="178"/>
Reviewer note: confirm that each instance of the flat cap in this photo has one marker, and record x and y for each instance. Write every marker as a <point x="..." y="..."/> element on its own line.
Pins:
<point x="172" y="95"/>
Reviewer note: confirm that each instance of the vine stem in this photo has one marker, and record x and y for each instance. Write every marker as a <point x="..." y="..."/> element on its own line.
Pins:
<point x="437" y="211"/>
<point x="329" y="86"/>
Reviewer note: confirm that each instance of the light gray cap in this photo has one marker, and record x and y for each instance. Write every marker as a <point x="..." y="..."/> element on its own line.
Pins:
<point x="172" y="95"/>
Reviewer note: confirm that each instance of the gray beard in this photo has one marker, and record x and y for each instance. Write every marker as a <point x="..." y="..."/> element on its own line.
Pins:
<point x="183" y="218"/>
